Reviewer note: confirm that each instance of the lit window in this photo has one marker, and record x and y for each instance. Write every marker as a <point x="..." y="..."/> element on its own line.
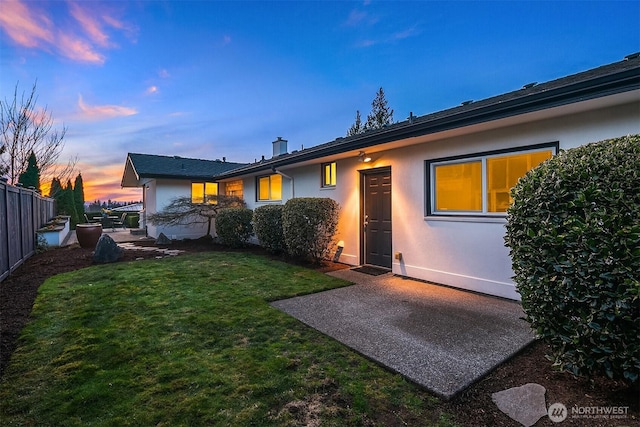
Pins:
<point x="480" y="184"/>
<point x="459" y="186"/>
<point x="503" y="173"/>
<point x="329" y="174"/>
<point x="270" y="187"/>
<point x="233" y="188"/>
<point x="204" y="192"/>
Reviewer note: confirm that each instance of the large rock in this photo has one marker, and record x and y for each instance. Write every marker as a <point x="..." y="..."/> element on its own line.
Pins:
<point x="525" y="404"/>
<point x="107" y="250"/>
<point x="163" y="240"/>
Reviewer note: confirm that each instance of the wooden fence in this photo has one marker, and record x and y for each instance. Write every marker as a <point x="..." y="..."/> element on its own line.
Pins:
<point x="22" y="212"/>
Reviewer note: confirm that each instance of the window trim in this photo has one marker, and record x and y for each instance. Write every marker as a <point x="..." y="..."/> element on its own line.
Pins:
<point x="204" y="191"/>
<point x="270" y="199"/>
<point x="429" y="207"/>
<point x="323" y="175"/>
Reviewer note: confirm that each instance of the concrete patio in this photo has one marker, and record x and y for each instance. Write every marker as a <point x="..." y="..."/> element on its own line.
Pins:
<point x="441" y="338"/>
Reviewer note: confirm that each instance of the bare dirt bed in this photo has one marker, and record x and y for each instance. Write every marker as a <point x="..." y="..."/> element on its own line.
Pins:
<point x="473" y="407"/>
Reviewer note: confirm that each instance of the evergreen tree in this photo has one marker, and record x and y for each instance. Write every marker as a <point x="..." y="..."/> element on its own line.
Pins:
<point x="78" y="196"/>
<point x="55" y="192"/>
<point x="380" y="114"/>
<point x="3" y="168"/>
<point x="69" y="205"/>
<point x="379" y="117"/>
<point x="356" y="127"/>
<point x="31" y="176"/>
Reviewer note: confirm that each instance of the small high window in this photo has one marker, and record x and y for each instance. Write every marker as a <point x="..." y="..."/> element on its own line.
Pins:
<point x="204" y="192"/>
<point x="270" y="187"/>
<point x="329" y="174"/>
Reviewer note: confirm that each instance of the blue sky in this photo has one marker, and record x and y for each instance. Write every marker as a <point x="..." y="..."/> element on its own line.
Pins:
<point x="209" y="79"/>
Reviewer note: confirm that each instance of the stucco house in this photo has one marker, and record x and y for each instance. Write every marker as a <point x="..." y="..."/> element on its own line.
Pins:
<point x="426" y="197"/>
<point x="163" y="178"/>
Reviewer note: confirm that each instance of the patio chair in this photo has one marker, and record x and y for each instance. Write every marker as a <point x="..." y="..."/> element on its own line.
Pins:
<point x="89" y="221"/>
<point x="120" y="222"/>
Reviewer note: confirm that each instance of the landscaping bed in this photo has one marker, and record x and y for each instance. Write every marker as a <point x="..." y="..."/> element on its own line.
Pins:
<point x="472" y="408"/>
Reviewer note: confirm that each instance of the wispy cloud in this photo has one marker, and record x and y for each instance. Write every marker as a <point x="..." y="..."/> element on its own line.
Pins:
<point x="80" y="39"/>
<point x="152" y="90"/>
<point x="78" y="49"/>
<point x="28" y="27"/>
<point x="359" y="17"/>
<point x="98" y="112"/>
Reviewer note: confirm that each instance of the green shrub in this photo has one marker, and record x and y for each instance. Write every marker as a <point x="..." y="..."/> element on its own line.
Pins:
<point x="574" y="237"/>
<point x="132" y="220"/>
<point x="267" y="224"/>
<point x="233" y="226"/>
<point x="308" y="225"/>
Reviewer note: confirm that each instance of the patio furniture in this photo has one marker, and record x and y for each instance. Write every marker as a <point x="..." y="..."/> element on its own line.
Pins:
<point x="90" y="221"/>
<point x="120" y="222"/>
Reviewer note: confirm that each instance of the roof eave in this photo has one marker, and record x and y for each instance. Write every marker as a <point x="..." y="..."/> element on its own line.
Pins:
<point x="597" y="87"/>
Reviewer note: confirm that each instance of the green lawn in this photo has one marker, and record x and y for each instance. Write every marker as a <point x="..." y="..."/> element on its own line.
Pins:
<point x="192" y="341"/>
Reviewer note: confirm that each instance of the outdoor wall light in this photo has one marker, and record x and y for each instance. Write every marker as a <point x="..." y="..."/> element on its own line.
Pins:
<point x="362" y="157"/>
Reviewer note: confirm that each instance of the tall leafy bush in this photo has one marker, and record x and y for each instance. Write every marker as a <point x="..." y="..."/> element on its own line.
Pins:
<point x="309" y="225"/>
<point x="267" y="225"/>
<point x="574" y="236"/>
<point x="234" y="227"/>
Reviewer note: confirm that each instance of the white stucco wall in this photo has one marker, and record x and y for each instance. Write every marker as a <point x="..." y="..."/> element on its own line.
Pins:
<point x="160" y="192"/>
<point x="468" y="253"/>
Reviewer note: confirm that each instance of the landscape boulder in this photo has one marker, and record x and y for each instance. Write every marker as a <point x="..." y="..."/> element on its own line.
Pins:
<point x="163" y="240"/>
<point x="107" y="250"/>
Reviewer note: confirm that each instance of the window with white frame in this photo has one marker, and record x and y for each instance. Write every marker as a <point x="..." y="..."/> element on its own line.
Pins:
<point x="204" y="192"/>
<point x="480" y="184"/>
<point x="329" y="175"/>
<point x="269" y="187"/>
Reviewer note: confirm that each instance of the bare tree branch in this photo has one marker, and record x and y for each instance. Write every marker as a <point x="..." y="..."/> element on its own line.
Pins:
<point x="181" y="211"/>
<point x="25" y="129"/>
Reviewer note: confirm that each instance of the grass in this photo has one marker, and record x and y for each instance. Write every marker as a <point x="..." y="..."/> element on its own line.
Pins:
<point x="193" y="341"/>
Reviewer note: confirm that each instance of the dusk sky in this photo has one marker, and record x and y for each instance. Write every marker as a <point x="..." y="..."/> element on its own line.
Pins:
<point x="207" y="79"/>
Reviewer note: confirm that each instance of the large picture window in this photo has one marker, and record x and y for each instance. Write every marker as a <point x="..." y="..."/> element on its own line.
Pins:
<point x="270" y="187"/>
<point x="480" y="184"/>
<point x="204" y="192"/>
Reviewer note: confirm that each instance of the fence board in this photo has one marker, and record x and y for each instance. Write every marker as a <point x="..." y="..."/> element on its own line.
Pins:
<point x="22" y="212"/>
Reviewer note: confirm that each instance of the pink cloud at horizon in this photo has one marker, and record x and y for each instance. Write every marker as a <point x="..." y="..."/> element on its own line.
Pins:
<point x="97" y="112"/>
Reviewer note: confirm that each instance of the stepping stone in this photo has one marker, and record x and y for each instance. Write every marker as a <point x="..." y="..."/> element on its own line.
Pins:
<point x="525" y="404"/>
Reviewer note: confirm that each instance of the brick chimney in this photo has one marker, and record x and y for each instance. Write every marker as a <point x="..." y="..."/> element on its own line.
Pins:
<point x="279" y="147"/>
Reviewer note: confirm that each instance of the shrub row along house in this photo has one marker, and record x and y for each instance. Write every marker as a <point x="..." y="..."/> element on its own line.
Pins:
<point x="425" y="197"/>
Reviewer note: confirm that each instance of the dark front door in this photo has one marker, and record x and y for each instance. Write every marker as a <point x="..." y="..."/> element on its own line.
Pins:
<point x="377" y="217"/>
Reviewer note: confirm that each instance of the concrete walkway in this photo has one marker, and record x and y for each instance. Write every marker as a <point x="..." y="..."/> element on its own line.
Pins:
<point x="440" y="338"/>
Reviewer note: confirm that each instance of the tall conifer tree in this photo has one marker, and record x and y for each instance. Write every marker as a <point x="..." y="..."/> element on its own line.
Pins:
<point x="31" y="176"/>
<point x="78" y="196"/>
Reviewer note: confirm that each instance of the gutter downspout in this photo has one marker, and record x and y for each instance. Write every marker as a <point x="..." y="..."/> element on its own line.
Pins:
<point x="293" y="193"/>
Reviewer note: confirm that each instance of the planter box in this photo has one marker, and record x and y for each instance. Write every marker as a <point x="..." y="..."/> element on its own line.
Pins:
<point x="57" y="234"/>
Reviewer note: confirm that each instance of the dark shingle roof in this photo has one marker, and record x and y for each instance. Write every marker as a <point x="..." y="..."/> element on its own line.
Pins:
<point x="606" y="80"/>
<point x="154" y="166"/>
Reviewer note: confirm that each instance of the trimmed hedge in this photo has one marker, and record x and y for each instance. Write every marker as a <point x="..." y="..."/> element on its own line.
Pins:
<point x="309" y="225"/>
<point x="234" y="227"/>
<point x="574" y="236"/>
<point x="267" y="225"/>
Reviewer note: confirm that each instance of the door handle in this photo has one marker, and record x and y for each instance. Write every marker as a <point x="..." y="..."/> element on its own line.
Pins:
<point x="366" y="221"/>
